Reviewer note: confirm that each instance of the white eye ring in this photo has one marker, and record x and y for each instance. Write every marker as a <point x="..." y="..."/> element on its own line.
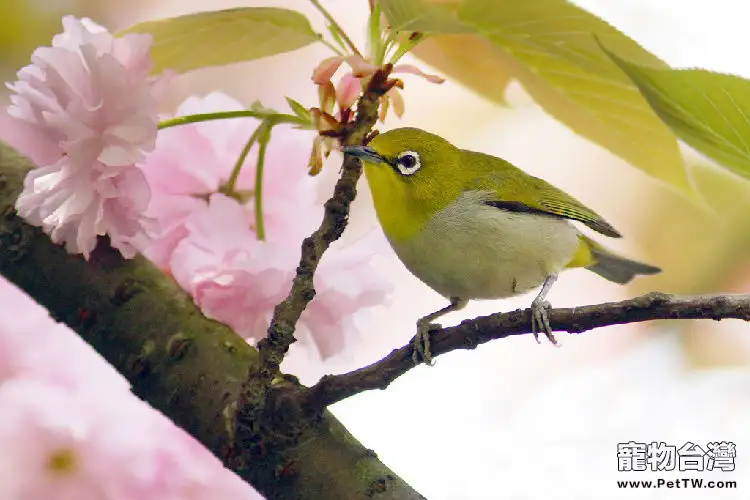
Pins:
<point x="408" y="162"/>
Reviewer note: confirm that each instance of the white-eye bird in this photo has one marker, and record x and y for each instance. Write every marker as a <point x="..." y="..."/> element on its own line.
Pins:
<point x="473" y="226"/>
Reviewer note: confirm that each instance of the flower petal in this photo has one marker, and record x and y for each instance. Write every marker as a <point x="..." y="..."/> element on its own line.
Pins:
<point x="90" y="95"/>
<point x="348" y="90"/>
<point x="384" y="103"/>
<point x="327" y="97"/>
<point x="413" y="70"/>
<point x="361" y="68"/>
<point x="326" y="69"/>
<point x="397" y="101"/>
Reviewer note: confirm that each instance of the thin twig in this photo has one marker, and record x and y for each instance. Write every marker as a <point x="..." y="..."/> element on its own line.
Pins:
<point x="470" y="333"/>
<point x="286" y="314"/>
<point x="336" y="26"/>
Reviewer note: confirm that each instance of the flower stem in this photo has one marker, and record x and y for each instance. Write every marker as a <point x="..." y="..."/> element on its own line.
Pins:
<point x="263" y="139"/>
<point x="331" y="46"/>
<point x="377" y="46"/>
<point x="407" y="46"/>
<point x="228" y="188"/>
<point x="222" y="115"/>
<point x="336" y="26"/>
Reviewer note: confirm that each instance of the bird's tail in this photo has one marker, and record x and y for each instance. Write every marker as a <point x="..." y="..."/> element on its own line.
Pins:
<point x="611" y="266"/>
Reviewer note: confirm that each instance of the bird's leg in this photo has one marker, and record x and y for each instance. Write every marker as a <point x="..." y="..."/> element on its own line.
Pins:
<point x="421" y="342"/>
<point x="539" y="307"/>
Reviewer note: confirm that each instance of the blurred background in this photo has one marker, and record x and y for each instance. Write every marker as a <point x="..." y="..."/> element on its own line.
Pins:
<point x="514" y="419"/>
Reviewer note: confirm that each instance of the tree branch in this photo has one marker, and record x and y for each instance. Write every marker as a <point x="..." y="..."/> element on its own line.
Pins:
<point x="186" y="366"/>
<point x="471" y="333"/>
<point x="286" y="314"/>
<point x="268" y="404"/>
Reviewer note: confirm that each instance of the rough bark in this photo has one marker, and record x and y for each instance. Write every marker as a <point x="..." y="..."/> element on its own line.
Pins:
<point x="474" y="332"/>
<point x="190" y="368"/>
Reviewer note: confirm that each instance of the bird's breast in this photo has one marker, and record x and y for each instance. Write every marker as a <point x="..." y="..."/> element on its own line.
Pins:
<point x="474" y="251"/>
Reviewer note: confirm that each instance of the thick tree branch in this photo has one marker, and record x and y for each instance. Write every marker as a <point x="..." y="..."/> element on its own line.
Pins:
<point x="470" y="333"/>
<point x="188" y="367"/>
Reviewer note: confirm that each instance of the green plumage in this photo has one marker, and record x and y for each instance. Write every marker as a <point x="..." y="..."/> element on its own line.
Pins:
<point x="473" y="226"/>
<point x="449" y="171"/>
<point x="512" y="184"/>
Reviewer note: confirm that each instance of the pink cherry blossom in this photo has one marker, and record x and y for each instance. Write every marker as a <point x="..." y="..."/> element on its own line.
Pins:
<point x="192" y="161"/>
<point x="237" y="279"/>
<point x="212" y="249"/>
<point x="33" y="345"/>
<point x="232" y="276"/>
<point x="63" y="445"/>
<point x="74" y="205"/>
<point x="89" y="101"/>
<point x="347" y="287"/>
<point x="71" y="429"/>
<point x="362" y="68"/>
<point x="350" y="85"/>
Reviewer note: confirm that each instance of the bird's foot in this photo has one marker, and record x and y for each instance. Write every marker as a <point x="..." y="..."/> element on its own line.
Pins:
<point x="421" y="343"/>
<point x="540" y="320"/>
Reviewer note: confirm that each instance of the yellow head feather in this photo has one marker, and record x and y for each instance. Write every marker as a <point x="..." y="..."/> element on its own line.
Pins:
<point x="405" y="202"/>
<point x="406" y="198"/>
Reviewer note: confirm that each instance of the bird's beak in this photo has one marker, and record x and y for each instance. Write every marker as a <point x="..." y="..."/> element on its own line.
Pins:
<point x="364" y="154"/>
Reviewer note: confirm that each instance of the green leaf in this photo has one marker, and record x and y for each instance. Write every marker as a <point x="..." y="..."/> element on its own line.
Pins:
<point x="549" y="46"/>
<point x="469" y="60"/>
<point x="221" y="37"/>
<point x="258" y="107"/>
<point x="336" y="35"/>
<point x="298" y="109"/>
<point x="709" y="111"/>
<point x="463" y="57"/>
<point x="375" y="43"/>
<point x="422" y="16"/>
<point x="727" y="194"/>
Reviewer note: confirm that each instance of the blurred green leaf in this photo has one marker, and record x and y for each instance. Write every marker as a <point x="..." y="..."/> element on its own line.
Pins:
<point x="709" y="111"/>
<point x="221" y="37"/>
<point x="469" y="60"/>
<point x="549" y="46"/>
<point x="699" y="249"/>
<point x="422" y="16"/>
<point x="561" y="66"/>
<point x="336" y="35"/>
<point x="727" y="194"/>
<point x="298" y="109"/>
<point x="375" y="43"/>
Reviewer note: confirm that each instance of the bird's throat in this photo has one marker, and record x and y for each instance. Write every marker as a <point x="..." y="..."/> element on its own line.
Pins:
<point x="400" y="214"/>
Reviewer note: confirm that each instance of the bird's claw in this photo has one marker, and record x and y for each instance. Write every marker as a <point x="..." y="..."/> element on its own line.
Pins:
<point x="540" y="321"/>
<point x="421" y="343"/>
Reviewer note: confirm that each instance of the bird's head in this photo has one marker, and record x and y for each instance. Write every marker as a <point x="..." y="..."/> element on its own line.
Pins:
<point x="412" y="174"/>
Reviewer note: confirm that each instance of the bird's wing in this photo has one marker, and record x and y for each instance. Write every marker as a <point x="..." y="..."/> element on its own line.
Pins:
<point x="517" y="191"/>
<point x="558" y="206"/>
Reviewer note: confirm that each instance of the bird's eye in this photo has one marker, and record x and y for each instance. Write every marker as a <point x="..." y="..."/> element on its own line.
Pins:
<point x="408" y="162"/>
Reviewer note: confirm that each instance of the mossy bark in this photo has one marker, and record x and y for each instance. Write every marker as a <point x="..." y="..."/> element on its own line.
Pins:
<point x="188" y="367"/>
